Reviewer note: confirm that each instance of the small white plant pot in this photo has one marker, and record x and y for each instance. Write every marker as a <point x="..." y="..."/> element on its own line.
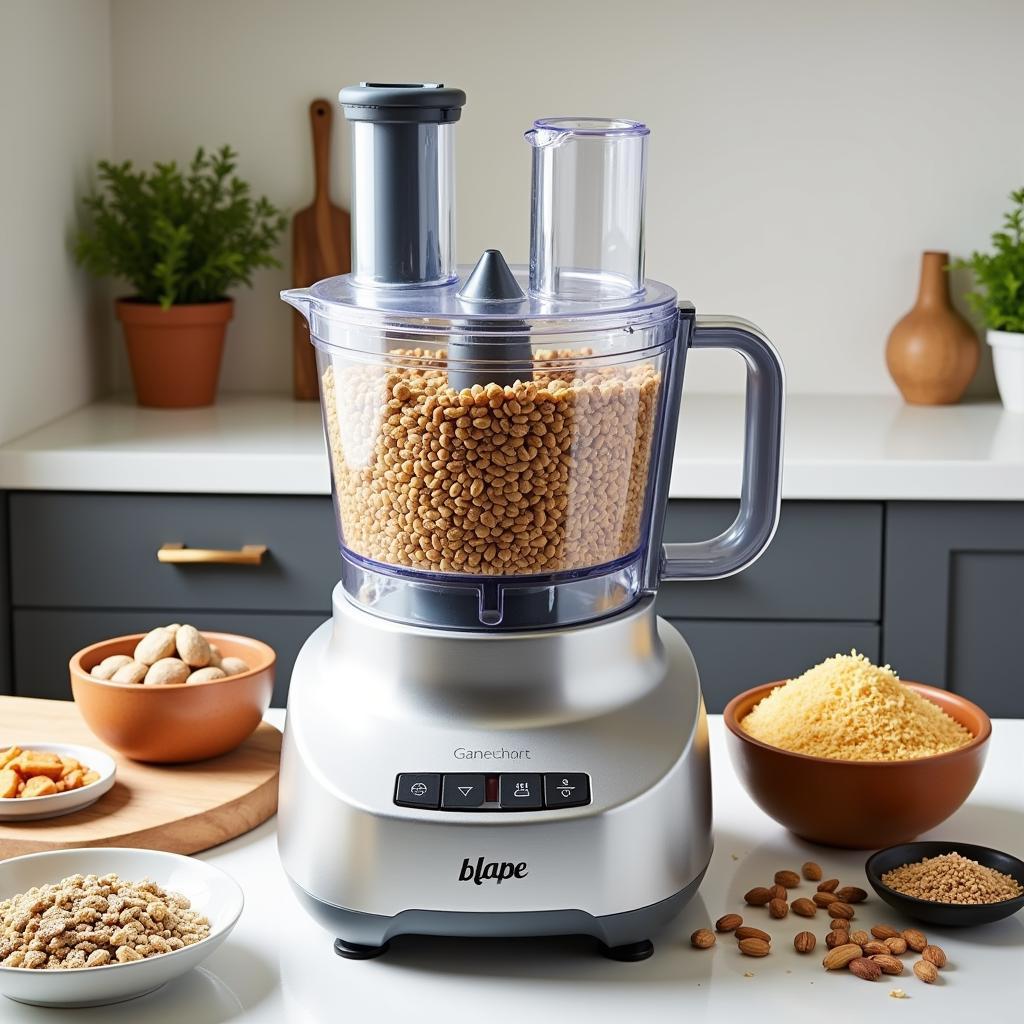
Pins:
<point x="1008" y="360"/>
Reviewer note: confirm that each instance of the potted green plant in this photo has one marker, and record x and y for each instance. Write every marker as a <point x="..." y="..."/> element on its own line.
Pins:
<point x="182" y="237"/>
<point x="998" y="297"/>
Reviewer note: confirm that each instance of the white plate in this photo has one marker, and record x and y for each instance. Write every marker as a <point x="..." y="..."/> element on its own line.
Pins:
<point x="34" y="808"/>
<point x="212" y="892"/>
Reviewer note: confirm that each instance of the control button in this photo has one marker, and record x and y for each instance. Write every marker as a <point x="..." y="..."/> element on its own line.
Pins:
<point x="520" y="792"/>
<point x="462" y="791"/>
<point x="422" y="790"/>
<point x="566" y="789"/>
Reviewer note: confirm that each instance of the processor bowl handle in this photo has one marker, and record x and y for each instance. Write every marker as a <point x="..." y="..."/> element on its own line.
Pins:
<point x="755" y="523"/>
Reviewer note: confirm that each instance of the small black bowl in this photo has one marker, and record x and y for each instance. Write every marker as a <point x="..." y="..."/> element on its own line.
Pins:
<point x="953" y="915"/>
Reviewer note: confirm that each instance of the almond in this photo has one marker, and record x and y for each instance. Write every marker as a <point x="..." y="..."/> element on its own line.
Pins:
<point x="873" y="948"/>
<point x="839" y="956"/>
<point x="746" y="932"/>
<point x="839" y="924"/>
<point x="758" y="947"/>
<point x="884" y="931"/>
<point x="778" y="892"/>
<point x="834" y="939"/>
<point x="934" y="955"/>
<point x="838" y="909"/>
<point x="897" y="945"/>
<point x="166" y="672"/>
<point x="778" y="908"/>
<point x="811" y="871"/>
<point x="702" y="938"/>
<point x="824" y="899"/>
<point x="851" y="894"/>
<point x="728" y="923"/>
<point x="804" y="907"/>
<point x="889" y="964"/>
<point x="758" y="896"/>
<point x="860" y="937"/>
<point x="829" y="885"/>
<point x="804" y="942"/>
<point x="865" y="968"/>
<point x="193" y="648"/>
<point x="926" y="971"/>
<point x="914" y="939"/>
<point x="156" y="644"/>
<point x="108" y="666"/>
<point x="790" y="879"/>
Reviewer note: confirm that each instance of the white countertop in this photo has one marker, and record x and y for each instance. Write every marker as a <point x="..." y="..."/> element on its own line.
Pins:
<point x="837" y="447"/>
<point x="278" y="967"/>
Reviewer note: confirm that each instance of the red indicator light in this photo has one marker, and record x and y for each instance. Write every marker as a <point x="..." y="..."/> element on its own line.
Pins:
<point x="491" y="789"/>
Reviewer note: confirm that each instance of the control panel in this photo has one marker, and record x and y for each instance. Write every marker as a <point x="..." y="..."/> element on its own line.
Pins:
<point x="504" y="791"/>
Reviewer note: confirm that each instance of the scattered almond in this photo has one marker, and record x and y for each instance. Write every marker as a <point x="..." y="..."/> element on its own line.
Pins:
<point x="778" y="892"/>
<point x="838" y="909"/>
<point x="934" y="955"/>
<point x="897" y="993"/>
<point x="778" y="908"/>
<point x="728" y="923"/>
<point x="790" y="879"/>
<point x="889" y="964"/>
<point x="926" y="971"/>
<point x="884" y="931"/>
<point x="757" y="947"/>
<point x="839" y="924"/>
<point x="811" y="871"/>
<point x="834" y="939"/>
<point x="758" y="896"/>
<point x="860" y="937"/>
<point x="702" y="938"/>
<point x="914" y="939"/>
<point x="747" y="932"/>
<point x="876" y="947"/>
<point x="851" y="894"/>
<point x="829" y="885"/>
<point x="897" y="945"/>
<point x="840" y="956"/>
<point x="864" y="968"/>
<point x="804" y="942"/>
<point x="803" y="907"/>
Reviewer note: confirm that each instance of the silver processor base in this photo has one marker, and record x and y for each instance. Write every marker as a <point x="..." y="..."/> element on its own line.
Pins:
<point x="616" y="702"/>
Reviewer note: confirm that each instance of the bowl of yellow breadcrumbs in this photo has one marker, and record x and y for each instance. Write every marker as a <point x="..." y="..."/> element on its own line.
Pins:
<point x="848" y="754"/>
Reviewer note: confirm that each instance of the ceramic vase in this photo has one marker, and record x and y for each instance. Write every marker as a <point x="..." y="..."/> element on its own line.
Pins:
<point x="933" y="352"/>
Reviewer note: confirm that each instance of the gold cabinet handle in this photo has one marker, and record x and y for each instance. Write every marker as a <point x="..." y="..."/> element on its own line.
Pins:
<point x="178" y="554"/>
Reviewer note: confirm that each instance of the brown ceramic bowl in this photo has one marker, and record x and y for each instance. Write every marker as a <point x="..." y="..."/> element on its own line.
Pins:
<point x="858" y="804"/>
<point x="171" y="724"/>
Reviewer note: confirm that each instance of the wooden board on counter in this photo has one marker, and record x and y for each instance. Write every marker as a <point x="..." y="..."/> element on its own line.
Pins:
<point x="181" y="808"/>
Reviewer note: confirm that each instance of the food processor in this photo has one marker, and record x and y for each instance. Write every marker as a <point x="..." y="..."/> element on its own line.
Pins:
<point x="495" y="735"/>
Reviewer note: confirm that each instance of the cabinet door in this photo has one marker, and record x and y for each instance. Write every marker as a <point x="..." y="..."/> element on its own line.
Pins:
<point x="45" y="640"/>
<point x="825" y="562"/>
<point x="954" y="599"/>
<point x="734" y="656"/>
<point x="5" y="606"/>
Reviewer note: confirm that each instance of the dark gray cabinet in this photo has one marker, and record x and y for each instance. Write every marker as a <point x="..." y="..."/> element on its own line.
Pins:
<point x="6" y="653"/>
<point x="937" y="589"/>
<point x="954" y="599"/>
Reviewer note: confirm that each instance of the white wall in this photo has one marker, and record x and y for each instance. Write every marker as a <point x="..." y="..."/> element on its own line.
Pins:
<point x="55" y="122"/>
<point x="803" y="152"/>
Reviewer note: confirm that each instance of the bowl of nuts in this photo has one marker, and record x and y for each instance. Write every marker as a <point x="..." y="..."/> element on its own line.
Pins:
<point x="173" y="694"/>
<point x="88" y="927"/>
<point x="45" y="780"/>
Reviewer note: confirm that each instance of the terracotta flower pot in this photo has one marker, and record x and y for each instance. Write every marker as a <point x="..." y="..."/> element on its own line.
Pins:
<point x="933" y="352"/>
<point x="175" y="353"/>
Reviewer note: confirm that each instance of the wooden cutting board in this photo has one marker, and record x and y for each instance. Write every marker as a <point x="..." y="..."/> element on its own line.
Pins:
<point x="321" y="246"/>
<point x="180" y="808"/>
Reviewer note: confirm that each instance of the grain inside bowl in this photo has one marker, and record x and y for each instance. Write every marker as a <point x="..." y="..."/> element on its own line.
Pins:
<point x="848" y="709"/>
<point x="952" y="878"/>
<point x="95" y="920"/>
